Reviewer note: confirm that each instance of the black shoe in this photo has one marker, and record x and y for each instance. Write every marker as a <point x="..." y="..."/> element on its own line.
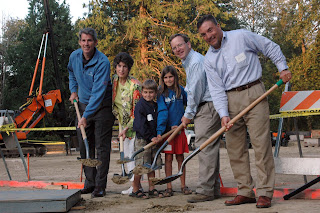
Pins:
<point x="98" y="192"/>
<point x="87" y="190"/>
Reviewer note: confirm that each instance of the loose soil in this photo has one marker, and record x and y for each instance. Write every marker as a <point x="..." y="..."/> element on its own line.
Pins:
<point x="58" y="167"/>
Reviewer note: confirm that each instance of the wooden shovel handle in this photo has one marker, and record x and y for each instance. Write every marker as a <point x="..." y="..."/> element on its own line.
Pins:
<point x="176" y="131"/>
<point x="242" y="113"/>
<point x="83" y="132"/>
<point x="120" y="138"/>
<point x="162" y="137"/>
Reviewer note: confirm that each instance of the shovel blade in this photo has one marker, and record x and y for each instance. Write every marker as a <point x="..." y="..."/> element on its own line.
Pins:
<point x="125" y="160"/>
<point x="119" y="179"/>
<point x="167" y="179"/>
<point x="90" y="162"/>
<point x="140" y="170"/>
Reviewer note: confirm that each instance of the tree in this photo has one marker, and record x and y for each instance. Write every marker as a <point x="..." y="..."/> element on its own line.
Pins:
<point x="23" y="54"/>
<point x="296" y="30"/>
<point x="143" y="28"/>
<point x="303" y="20"/>
<point x="250" y="14"/>
<point x="10" y="32"/>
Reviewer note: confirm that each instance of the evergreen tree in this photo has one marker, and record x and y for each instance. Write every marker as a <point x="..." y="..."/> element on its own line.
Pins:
<point x="10" y="31"/>
<point x="142" y="28"/>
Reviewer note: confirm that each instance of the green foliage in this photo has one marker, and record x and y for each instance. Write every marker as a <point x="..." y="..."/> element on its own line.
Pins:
<point x="142" y="28"/>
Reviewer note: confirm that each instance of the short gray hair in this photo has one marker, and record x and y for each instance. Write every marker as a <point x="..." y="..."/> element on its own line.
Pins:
<point x="88" y="31"/>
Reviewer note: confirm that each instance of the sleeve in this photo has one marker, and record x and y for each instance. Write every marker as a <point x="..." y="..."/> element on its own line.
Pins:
<point x="101" y="80"/>
<point x="195" y="90"/>
<point x="266" y="47"/>
<point x="135" y="98"/>
<point x="162" y="118"/>
<point x="217" y="90"/>
<point x="184" y="96"/>
<point x="73" y="85"/>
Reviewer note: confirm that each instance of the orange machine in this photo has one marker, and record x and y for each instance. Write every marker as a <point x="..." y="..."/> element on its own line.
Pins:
<point x="37" y="105"/>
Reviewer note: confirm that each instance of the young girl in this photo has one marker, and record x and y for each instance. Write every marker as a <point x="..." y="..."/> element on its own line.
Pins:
<point x="171" y="101"/>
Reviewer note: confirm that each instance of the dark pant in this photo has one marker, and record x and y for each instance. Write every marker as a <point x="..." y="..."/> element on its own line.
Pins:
<point x="99" y="133"/>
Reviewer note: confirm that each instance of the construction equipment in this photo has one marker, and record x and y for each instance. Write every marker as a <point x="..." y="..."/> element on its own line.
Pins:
<point x="38" y="104"/>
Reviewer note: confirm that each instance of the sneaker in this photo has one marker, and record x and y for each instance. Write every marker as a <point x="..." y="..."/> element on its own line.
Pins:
<point x="128" y="191"/>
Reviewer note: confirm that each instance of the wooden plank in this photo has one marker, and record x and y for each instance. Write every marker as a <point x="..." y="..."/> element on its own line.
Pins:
<point x="38" y="200"/>
<point x="298" y="166"/>
<point x="314" y="142"/>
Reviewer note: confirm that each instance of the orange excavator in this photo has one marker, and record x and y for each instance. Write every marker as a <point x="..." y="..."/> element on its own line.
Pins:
<point x="37" y="106"/>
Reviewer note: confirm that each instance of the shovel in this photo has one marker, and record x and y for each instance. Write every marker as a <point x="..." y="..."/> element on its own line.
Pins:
<point x="147" y="168"/>
<point x="124" y="177"/>
<point x="213" y="137"/>
<point x="126" y="160"/>
<point x="87" y="162"/>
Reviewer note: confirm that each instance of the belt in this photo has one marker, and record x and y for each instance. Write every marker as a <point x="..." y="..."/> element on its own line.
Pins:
<point x="244" y="87"/>
<point x="202" y="103"/>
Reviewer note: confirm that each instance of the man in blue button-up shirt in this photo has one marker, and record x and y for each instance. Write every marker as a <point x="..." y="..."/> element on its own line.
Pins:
<point x="234" y="72"/>
<point x="90" y="84"/>
<point x="206" y="119"/>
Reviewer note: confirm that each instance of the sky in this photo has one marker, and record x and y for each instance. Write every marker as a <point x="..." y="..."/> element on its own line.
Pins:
<point x="19" y="8"/>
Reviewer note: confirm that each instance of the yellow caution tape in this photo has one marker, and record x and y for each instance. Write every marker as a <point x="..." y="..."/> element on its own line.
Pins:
<point x="43" y="142"/>
<point x="296" y="113"/>
<point x="38" y="129"/>
<point x="7" y="127"/>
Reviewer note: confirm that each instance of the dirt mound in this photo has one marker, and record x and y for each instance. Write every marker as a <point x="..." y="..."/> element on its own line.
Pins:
<point x="168" y="208"/>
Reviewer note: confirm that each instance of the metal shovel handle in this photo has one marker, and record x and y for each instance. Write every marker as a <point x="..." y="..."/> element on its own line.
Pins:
<point x="172" y="136"/>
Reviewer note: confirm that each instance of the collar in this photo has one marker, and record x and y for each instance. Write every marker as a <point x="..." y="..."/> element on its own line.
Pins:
<point x="186" y="61"/>
<point x="224" y="37"/>
<point x="91" y="61"/>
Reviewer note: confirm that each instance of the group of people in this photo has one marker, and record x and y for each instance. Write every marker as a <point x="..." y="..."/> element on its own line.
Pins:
<point x="219" y="85"/>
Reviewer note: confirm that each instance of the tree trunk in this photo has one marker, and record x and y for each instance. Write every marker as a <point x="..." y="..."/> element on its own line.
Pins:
<point x="144" y="41"/>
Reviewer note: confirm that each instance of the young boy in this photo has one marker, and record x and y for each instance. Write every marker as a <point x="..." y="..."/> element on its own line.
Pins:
<point x="145" y="125"/>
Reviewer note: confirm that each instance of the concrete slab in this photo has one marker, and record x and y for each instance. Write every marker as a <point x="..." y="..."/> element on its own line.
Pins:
<point x="38" y="200"/>
<point x="297" y="166"/>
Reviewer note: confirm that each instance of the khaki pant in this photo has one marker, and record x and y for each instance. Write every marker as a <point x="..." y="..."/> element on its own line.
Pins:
<point x="258" y="124"/>
<point x="206" y="123"/>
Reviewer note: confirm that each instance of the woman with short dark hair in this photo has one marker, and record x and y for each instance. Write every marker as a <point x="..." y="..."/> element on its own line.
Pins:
<point x="126" y="92"/>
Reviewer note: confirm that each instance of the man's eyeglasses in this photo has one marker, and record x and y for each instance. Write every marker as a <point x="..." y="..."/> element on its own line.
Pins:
<point x="178" y="47"/>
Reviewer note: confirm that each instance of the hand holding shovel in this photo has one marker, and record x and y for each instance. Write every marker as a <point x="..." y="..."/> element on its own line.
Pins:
<point x="147" y="168"/>
<point x="126" y="160"/>
<point x="214" y="136"/>
<point x="87" y="161"/>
